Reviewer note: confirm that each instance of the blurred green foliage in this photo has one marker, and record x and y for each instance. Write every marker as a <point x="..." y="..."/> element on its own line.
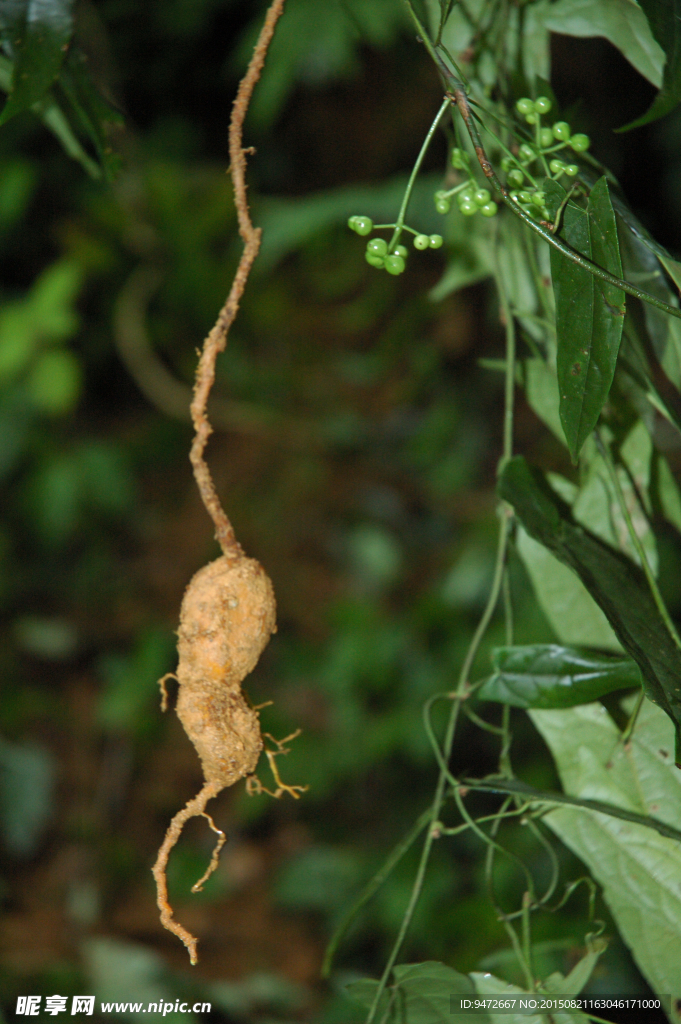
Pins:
<point x="357" y="439"/>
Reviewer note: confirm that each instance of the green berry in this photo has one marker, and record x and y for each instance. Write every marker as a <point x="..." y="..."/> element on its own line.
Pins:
<point x="482" y="196"/>
<point x="394" y="264"/>
<point x="507" y="163"/>
<point x="468" y="207"/>
<point x="466" y="195"/>
<point x="556" y="167"/>
<point x="435" y="241"/>
<point x="531" y="118"/>
<point x="489" y="209"/>
<point x="561" y="131"/>
<point x="363" y="225"/>
<point x="572" y="170"/>
<point x="526" y="152"/>
<point x="524" y="105"/>
<point x="546" y="138"/>
<point x="458" y="158"/>
<point x="400" y="250"/>
<point x="421" y="242"/>
<point x="538" y="198"/>
<point x="373" y="260"/>
<point x="352" y="222"/>
<point x="542" y="104"/>
<point x="580" y="143"/>
<point x="442" y="205"/>
<point x="377" y="246"/>
<point x="516" y="176"/>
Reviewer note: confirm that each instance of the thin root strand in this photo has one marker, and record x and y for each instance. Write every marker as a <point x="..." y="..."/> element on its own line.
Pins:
<point x="164" y="689"/>
<point x="194" y="808"/>
<point x="254" y="786"/>
<point x="222" y="839"/>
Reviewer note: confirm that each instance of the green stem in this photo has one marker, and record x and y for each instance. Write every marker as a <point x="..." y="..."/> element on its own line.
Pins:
<point x="374" y="885"/>
<point x="561" y="799"/>
<point x="412" y="178"/>
<point x="636" y="540"/>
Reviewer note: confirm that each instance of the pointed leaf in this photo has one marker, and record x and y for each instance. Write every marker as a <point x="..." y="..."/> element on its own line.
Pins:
<point x="622" y="22"/>
<point x="589" y="313"/>
<point x="424" y="994"/>
<point x="664" y="17"/>
<point x="638" y="868"/>
<point x="550" y="676"/>
<point x="37" y="33"/>
<point x="614" y="582"/>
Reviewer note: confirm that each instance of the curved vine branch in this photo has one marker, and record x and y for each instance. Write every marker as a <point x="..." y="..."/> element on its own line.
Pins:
<point x="217" y="339"/>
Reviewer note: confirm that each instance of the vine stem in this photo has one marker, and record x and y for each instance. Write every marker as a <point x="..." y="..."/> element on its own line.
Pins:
<point x="217" y="339"/>
<point x="399" y="223"/>
<point x="606" y="455"/>
<point x="461" y="691"/>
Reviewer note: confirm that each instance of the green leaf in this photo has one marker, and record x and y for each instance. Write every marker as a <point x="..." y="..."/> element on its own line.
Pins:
<point x="37" y="34"/>
<point x="615" y="583"/>
<point x="664" y="17"/>
<point x="487" y="986"/>
<point x="80" y="100"/>
<point x="541" y="390"/>
<point x="647" y="327"/>
<point x="550" y="676"/>
<point x="572" y="613"/>
<point x="422" y="994"/>
<point x="589" y="314"/>
<point x="598" y="509"/>
<point x="621" y="22"/>
<point x="639" y="869"/>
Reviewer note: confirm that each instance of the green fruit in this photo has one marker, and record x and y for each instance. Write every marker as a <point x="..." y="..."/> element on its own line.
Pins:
<point x="458" y="158"/>
<point x="489" y="209"/>
<point x="468" y="207"/>
<point x="556" y="167"/>
<point x="482" y="196"/>
<point x="466" y="195"/>
<point x="421" y="242"/>
<point x="538" y="198"/>
<point x="435" y="241"/>
<point x="363" y="225"/>
<point x="394" y="264"/>
<point x="507" y="163"/>
<point x="526" y="152"/>
<point x="531" y="118"/>
<point x="546" y="138"/>
<point x="525" y="197"/>
<point x="580" y="143"/>
<point x="377" y="246"/>
<point x="516" y="176"/>
<point x="572" y="170"/>
<point x="524" y="105"/>
<point x="400" y="250"/>
<point x="375" y="261"/>
<point x="442" y="205"/>
<point x="542" y="104"/>
<point x="561" y="131"/>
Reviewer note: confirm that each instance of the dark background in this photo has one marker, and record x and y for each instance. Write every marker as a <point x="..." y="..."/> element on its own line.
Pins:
<point x="355" y="450"/>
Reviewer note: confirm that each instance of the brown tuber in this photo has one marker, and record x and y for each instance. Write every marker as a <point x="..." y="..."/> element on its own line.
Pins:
<point x="228" y="610"/>
<point x="226" y="620"/>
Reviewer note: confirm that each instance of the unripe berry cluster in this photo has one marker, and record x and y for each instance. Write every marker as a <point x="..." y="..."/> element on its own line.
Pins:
<point x="547" y="143"/>
<point x="377" y="254"/>
<point x="470" y="197"/>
